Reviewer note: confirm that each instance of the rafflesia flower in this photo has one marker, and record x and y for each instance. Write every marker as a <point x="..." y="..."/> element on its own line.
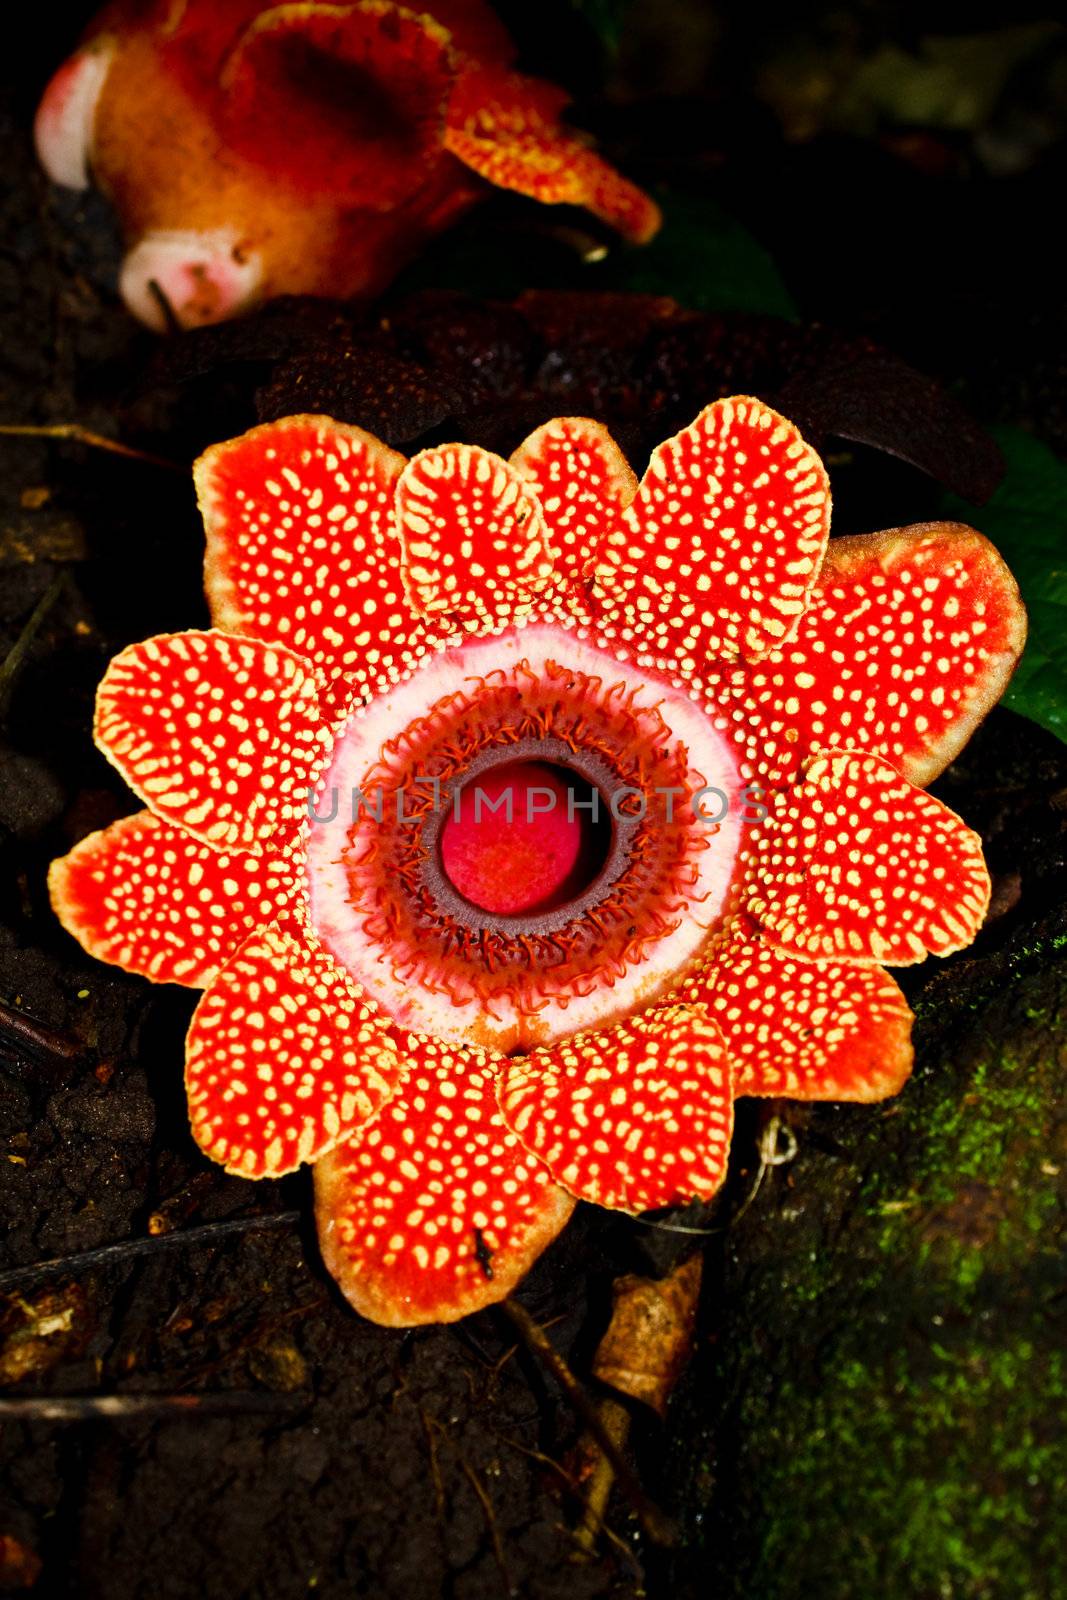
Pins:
<point x="254" y="150"/>
<point x="711" y="725"/>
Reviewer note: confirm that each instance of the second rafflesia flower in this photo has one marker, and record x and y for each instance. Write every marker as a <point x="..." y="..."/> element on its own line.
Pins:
<point x="710" y="726"/>
<point x="254" y="150"/>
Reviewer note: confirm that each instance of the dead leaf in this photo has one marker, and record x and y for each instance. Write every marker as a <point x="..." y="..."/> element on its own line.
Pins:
<point x="20" y="1567"/>
<point x="38" y="1331"/>
<point x="650" y="1337"/>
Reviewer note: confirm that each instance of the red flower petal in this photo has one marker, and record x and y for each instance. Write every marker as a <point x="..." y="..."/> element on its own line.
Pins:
<point x="345" y="100"/>
<point x="476" y="29"/>
<point x="909" y="639"/>
<point x="633" y="1117"/>
<point x="583" y="481"/>
<point x="718" y="550"/>
<point x="221" y="736"/>
<point x="856" y="864"/>
<point x="284" y="1057"/>
<point x="152" y="899"/>
<point x="434" y="1209"/>
<point x="809" y="1030"/>
<point x="302" y="544"/>
<point x="475" y="547"/>
<point x="507" y="129"/>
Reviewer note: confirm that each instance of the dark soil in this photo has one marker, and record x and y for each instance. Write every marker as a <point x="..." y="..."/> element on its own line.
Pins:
<point x="879" y="1345"/>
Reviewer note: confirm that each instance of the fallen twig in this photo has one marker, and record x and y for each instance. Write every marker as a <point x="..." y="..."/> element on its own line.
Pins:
<point x="545" y="1461"/>
<point x="656" y="1525"/>
<point x="574" y="1489"/>
<point x="151" y="1244"/>
<point x="431" y="1427"/>
<point x="616" y="1422"/>
<point x="78" y="435"/>
<point x="35" y="1036"/>
<point x="117" y="1407"/>
<point x="170" y="316"/>
<point x="12" y="663"/>
<point x="490" y="1520"/>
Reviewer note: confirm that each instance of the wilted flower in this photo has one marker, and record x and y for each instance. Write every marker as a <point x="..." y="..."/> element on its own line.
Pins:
<point x="255" y="150"/>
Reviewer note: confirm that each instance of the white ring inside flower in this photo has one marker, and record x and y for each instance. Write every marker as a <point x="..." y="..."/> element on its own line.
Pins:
<point x="340" y="924"/>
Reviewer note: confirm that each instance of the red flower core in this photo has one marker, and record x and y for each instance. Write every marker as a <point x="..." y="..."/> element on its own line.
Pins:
<point x="516" y="841"/>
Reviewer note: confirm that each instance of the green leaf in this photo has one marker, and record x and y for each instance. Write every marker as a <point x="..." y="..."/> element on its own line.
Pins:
<point x="604" y="17"/>
<point x="1027" y="521"/>
<point x="704" y="259"/>
<point x="701" y="257"/>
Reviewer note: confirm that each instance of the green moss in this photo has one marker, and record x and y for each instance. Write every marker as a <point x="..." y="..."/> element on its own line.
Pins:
<point x="984" y="1166"/>
<point x="912" y="1479"/>
<point x="889" y="1371"/>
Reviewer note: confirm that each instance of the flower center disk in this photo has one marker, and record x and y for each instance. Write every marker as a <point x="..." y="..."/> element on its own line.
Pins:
<point x="598" y="892"/>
